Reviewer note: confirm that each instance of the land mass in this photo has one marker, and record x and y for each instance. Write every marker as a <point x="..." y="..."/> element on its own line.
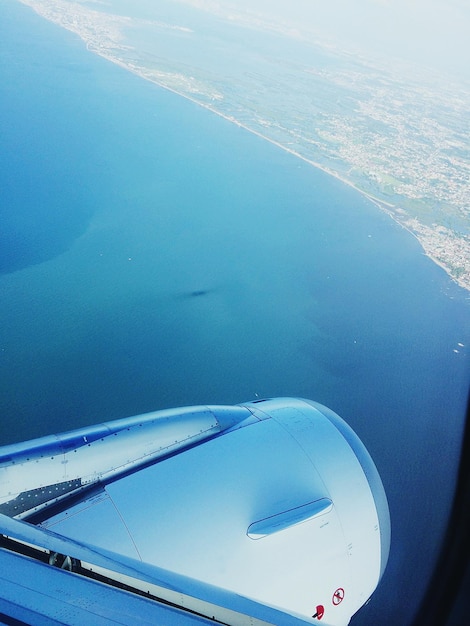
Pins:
<point x="401" y="141"/>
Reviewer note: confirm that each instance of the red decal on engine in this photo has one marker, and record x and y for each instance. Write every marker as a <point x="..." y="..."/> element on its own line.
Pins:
<point x="338" y="596"/>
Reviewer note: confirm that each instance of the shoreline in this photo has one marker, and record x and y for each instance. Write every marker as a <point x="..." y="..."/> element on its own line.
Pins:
<point x="387" y="207"/>
<point x="382" y="205"/>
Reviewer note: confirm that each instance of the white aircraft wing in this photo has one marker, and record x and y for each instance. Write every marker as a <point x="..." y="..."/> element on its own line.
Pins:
<point x="270" y="512"/>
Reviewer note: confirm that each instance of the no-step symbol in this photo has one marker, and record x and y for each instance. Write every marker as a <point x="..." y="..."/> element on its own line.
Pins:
<point x="338" y="596"/>
<point x="320" y="612"/>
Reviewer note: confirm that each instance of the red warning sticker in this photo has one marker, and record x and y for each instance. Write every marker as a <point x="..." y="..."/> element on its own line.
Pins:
<point x="338" y="596"/>
<point x="320" y="612"/>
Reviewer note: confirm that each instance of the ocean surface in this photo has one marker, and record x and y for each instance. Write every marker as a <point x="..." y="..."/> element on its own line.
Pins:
<point x="153" y="255"/>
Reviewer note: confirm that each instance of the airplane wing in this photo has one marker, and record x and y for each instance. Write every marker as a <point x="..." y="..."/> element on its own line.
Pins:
<point x="49" y="579"/>
<point x="267" y="512"/>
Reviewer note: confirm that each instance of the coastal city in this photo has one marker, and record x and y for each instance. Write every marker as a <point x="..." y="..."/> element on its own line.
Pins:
<point x="401" y="139"/>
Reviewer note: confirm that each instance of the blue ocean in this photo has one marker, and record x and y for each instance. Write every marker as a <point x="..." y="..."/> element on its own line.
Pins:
<point x="154" y="255"/>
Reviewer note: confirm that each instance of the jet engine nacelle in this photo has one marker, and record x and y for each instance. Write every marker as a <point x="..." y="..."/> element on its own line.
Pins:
<point x="277" y="500"/>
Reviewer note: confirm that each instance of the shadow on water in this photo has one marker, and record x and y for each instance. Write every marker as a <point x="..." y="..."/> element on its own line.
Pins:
<point x="195" y="293"/>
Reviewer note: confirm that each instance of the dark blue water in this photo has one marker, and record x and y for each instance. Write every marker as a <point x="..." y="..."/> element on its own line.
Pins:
<point x="154" y="255"/>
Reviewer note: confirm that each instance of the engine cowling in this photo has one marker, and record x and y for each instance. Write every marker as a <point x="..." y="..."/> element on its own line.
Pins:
<point x="278" y="501"/>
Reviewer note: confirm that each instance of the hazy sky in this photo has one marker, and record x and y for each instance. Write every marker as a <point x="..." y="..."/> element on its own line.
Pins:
<point x="430" y="32"/>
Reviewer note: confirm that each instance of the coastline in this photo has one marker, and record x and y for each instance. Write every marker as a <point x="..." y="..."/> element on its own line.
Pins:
<point x="103" y="42"/>
<point x="383" y="205"/>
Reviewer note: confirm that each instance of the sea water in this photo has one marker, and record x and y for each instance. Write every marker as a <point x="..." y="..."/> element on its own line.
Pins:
<point x="155" y="255"/>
